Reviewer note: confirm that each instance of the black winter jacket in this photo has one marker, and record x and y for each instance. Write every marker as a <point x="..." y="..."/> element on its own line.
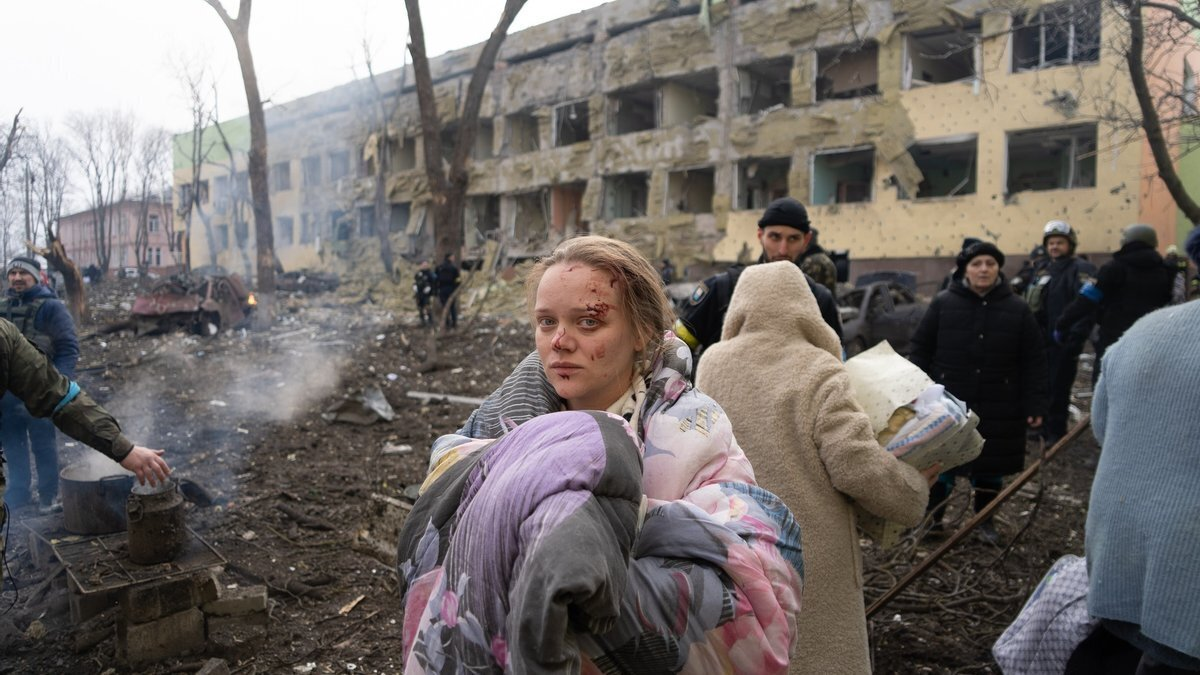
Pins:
<point x="1058" y="283"/>
<point x="987" y="351"/>
<point x="1131" y="285"/>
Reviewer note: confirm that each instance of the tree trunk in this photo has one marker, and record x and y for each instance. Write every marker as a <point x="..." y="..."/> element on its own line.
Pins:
<point x="383" y="208"/>
<point x="449" y="191"/>
<point x="1150" y="120"/>
<point x="56" y="255"/>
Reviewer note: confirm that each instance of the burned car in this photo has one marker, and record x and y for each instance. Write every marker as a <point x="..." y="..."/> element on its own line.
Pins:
<point x="203" y="304"/>
<point x="881" y="306"/>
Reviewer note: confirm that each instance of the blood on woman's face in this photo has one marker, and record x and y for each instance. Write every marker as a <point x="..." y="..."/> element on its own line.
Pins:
<point x="584" y="335"/>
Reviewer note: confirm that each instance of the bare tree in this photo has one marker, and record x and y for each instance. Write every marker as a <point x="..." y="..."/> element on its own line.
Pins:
<point x="10" y="141"/>
<point x="380" y="144"/>
<point x="152" y="170"/>
<point x="50" y="160"/>
<point x="239" y="30"/>
<point x="1172" y="29"/>
<point x="192" y="196"/>
<point x="449" y="184"/>
<point x="104" y="149"/>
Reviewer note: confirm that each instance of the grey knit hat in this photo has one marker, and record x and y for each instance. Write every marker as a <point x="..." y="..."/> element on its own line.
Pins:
<point x="26" y="264"/>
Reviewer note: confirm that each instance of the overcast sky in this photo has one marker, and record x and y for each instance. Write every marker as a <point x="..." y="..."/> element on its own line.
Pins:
<point x="60" y="56"/>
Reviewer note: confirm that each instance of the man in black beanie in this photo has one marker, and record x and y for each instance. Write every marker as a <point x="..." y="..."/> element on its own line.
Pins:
<point x="784" y="233"/>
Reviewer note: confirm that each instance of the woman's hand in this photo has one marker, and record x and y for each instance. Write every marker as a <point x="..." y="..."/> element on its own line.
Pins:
<point x="931" y="474"/>
<point x="1034" y="422"/>
<point x="147" y="465"/>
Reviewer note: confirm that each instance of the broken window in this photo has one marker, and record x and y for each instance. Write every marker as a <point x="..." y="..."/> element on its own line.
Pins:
<point x="366" y="221"/>
<point x="400" y="213"/>
<point x="520" y="134"/>
<point x="403" y="153"/>
<point x="221" y="193"/>
<point x="339" y="224"/>
<point x="283" y="230"/>
<point x="764" y="85"/>
<point x="570" y="123"/>
<point x="281" y="176"/>
<point x="848" y="71"/>
<point x="625" y="195"/>
<point x="1057" y="35"/>
<point x="481" y="219"/>
<point x="632" y="110"/>
<point x="760" y="181"/>
<point x="222" y="238"/>
<point x="690" y="191"/>
<point x="941" y="55"/>
<point x="311" y="168"/>
<point x="842" y="176"/>
<point x="948" y="167"/>
<point x="531" y="211"/>
<point x="566" y="205"/>
<point x="1052" y="159"/>
<point x="185" y="194"/>
<point x="483" y="140"/>
<point x="308" y="228"/>
<point x="684" y="98"/>
<point x="339" y="165"/>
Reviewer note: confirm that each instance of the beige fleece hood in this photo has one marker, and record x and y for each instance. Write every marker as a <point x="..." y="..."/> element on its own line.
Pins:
<point x="775" y="298"/>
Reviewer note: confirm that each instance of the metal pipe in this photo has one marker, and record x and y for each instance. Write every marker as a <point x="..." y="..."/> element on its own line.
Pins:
<point x="983" y="515"/>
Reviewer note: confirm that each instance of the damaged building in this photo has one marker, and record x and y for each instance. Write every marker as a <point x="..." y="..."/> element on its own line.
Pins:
<point x="905" y="124"/>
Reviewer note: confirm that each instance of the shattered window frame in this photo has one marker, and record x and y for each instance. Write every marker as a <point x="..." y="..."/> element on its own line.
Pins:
<point x="308" y="228"/>
<point x="756" y="74"/>
<point x="1067" y="33"/>
<point x="930" y="156"/>
<point x="621" y="122"/>
<point x="284" y="230"/>
<point x="757" y="198"/>
<point x="281" y="176"/>
<point x="575" y="113"/>
<point x="339" y="165"/>
<point x="311" y="169"/>
<point x="844" y="191"/>
<point x="957" y="44"/>
<point x="520" y="128"/>
<point x="682" y="99"/>
<point x="827" y="61"/>
<point x="636" y="206"/>
<point x="1050" y="158"/>
<point x="684" y="203"/>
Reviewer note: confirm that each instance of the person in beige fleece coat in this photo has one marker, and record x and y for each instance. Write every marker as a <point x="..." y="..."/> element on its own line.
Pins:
<point x="778" y="374"/>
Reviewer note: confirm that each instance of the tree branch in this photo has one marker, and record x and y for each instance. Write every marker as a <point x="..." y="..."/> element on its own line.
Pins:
<point x="1178" y="13"/>
<point x="14" y="135"/>
<point x="1150" y="120"/>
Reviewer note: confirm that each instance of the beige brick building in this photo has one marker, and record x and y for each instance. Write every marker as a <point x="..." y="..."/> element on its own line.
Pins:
<point x="905" y="125"/>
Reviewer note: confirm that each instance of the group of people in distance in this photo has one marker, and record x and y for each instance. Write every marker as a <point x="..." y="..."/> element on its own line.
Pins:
<point x="599" y="512"/>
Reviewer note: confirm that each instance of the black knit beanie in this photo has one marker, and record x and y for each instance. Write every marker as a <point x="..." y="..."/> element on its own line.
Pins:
<point x="976" y="250"/>
<point x="785" y="211"/>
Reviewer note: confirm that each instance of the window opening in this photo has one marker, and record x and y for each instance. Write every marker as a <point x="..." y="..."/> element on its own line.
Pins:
<point x="843" y="176"/>
<point x="690" y="191"/>
<point x="941" y="55"/>
<point x="764" y="85"/>
<point x="1057" y="35"/>
<point x="848" y="71"/>
<point x="633" y="110"/>
<point x="571" y="123"/>
<point x="760" y="181"/>
<point x="1052" y="159"/>
<point x="948" y="167"/>
<point x="625" y="195"/>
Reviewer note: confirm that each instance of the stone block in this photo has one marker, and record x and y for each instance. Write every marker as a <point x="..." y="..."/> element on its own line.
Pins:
<point x="251" y="619"/>
<point x="208" y="587"/>
<point x="84" y="606"/>
<point x="173" y="635"/>
<point x="214" y="666"/>
<point x="154" y="600"/>
<point x="237" y="601"/>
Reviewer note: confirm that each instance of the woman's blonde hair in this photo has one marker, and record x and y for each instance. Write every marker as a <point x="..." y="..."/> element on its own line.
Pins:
<point x="639" y="284"/>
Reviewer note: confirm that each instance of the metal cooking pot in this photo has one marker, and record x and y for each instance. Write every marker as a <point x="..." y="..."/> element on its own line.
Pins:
<point x="157" y="532"/>
<point x="94" y="505"/>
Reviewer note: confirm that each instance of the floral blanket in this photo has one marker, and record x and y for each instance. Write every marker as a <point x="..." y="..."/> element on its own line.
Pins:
<point x="529" y="554"/>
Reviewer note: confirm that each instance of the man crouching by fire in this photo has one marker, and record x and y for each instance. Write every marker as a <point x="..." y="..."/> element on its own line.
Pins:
<point x="29" y="375"/>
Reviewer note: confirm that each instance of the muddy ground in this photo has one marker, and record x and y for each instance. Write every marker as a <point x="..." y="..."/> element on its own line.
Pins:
<point x="240" y="414"/>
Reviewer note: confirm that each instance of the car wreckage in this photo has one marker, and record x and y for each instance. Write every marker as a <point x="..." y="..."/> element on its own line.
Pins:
<point x="204" y="304"/>
<point x="881" y="306"/>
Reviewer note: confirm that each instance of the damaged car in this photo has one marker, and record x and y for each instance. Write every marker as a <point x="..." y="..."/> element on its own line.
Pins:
<point x="204" y="304"/>
<point x="881" y="306"/>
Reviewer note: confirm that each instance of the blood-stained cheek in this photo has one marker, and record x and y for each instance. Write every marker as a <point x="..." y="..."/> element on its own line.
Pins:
<point x="599" y="353"/>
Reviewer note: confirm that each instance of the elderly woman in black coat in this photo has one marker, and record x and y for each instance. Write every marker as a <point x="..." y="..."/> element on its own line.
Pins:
<point x="981" y="341"/>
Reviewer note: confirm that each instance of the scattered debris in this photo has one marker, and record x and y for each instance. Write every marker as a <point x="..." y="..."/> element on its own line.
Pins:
<point x="367" y="408"/>
<point x="392" y="449"/>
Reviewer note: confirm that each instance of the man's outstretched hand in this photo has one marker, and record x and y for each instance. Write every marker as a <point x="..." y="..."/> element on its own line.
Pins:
<point x="148" y="465"/>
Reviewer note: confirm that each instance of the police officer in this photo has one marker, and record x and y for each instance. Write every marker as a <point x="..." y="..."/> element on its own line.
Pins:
<point x="1131" y="285"/>
<point x="423" y="284"/>
<point x="784" y="232"/>
<point x="1054" y="286"/>
<point x="447" y="275"/>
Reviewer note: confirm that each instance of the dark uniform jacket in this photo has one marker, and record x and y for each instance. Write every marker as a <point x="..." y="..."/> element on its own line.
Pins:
<point x="988" y="352"/>
<point x="705" y="312"/>
<point x="447" y="275"/>
<point x="423" y="283"/>
<point x="1131" y="285"/>
<point x="28" y="374"/>
<point x="819" y="267"/>
<point x="1054" y="288"/>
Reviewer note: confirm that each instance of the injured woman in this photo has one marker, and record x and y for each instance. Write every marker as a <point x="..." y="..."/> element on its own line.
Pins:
<point x="596" y="514"/>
